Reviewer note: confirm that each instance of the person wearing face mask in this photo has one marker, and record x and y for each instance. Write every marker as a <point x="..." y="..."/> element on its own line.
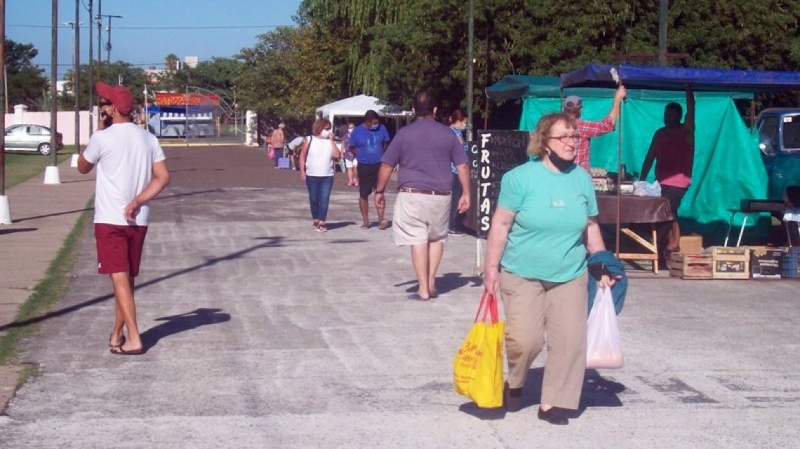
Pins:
<point x="131" y="171"/>
<point x="350" y="162"/>
<point x="458" y="123"/>
<point x="544" y="223"/>
<point x="369" y="141"/>
<point x="317" y="156"/>
<point x="672" y="149"/>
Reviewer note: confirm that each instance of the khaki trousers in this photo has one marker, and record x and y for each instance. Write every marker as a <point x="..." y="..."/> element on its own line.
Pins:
<point x="538" y="311"/>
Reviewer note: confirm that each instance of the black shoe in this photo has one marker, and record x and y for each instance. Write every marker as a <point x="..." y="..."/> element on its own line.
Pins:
<point x="512" y="399"/>
<point x="553" y="416"/>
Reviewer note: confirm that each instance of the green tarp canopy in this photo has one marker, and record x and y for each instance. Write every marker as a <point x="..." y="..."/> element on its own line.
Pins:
<point x="727" y="165"/>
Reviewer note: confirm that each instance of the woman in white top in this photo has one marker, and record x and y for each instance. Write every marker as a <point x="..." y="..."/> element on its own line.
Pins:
<point x="316" y="169"/>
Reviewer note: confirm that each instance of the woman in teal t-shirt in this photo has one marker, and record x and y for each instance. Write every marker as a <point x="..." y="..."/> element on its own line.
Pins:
<point x="536" y="258"/>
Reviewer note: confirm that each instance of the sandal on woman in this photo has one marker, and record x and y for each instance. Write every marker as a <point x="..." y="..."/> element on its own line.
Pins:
<point x="322" y="228"/>
<point x="316" y="224"/>
<point x="121" y="342"/>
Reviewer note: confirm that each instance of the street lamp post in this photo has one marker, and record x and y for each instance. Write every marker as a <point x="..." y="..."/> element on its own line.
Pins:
<point x="108" y="43"/>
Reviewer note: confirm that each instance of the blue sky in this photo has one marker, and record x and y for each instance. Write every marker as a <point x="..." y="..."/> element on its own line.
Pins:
<point x="149" y="29"/>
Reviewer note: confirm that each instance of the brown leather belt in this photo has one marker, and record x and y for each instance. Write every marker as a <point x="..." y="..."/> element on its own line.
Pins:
<point x="426" y="192"/>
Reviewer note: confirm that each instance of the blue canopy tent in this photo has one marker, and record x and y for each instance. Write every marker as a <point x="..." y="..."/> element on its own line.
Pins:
<point x="675" y="78"/>
<point x="727" y="168"/>
<point x="512" y="87"/>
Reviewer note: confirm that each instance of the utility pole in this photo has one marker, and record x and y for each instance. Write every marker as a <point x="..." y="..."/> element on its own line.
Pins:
<point x="470" y="64"/>
<point x="99" y="40"/>
<point x="663" y="11"/>
<point x="108" y="44"/>
<point x="75" y="26"/>
<point x="51" y="172"/>
<point x="5" y="211"/>
<point x="77" y="84"/>
<point x="91" y="68"/>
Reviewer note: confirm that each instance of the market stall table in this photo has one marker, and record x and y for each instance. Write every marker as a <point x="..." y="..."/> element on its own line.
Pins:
<point x="636" y="210"/>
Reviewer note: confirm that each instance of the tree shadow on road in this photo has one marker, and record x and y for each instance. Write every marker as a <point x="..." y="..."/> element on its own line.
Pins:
<point x="69" y="212"/>
<point x="338" y="224"/>
<point x="269" y="242"/>
<point x="13" y="230"/>
<point x="180" y="323"/>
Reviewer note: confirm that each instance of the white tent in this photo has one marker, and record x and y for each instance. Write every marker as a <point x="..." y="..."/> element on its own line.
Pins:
<point x="358" y="106"/>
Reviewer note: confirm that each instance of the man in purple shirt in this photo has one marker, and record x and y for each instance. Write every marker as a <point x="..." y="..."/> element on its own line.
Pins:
<point x="424" y="150"/>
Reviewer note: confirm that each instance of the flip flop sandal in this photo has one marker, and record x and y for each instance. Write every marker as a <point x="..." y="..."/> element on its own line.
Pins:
<point x="121" y="342"/>
<point x="120" y="351"/>
<point x="417" y="297"/>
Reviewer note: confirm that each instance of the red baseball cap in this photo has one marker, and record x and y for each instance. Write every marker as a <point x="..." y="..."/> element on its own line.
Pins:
<point x="119" y="96"/>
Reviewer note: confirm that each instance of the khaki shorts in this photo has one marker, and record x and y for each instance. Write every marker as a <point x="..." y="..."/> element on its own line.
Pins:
<point x="420" y="218"/>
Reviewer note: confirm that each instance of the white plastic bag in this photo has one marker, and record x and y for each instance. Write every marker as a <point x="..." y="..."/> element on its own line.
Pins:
<point x="642" y="188"/>
<point x="603" y="346"/>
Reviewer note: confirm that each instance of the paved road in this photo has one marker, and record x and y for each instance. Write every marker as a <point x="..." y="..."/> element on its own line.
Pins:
<point x="264" y="333"/>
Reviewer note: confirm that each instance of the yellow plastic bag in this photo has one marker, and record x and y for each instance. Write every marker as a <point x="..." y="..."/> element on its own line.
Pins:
<point x="478" y="365"/>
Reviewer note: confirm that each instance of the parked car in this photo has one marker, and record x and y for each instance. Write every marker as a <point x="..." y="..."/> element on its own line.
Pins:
<point x="30" y="138"/>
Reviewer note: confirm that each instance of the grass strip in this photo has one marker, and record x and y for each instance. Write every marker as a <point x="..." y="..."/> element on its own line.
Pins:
<point x="20" y="166"/>
<point x="47" y="292"/>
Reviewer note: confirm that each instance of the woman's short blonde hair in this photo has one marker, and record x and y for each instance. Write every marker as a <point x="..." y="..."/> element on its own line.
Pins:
<point x="319" y="125"/>
<point x="538" y="140"/>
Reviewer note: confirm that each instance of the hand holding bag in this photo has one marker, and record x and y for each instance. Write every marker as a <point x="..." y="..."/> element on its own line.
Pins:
<point x="603" y="345"/>
<point x="271" y="152"/>
<point x="478" y="365"/>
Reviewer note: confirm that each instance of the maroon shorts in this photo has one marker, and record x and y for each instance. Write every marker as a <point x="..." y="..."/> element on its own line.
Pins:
<point x="119" y="248"/>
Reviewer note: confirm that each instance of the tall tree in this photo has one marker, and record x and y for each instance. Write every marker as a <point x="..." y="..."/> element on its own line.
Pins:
<point x="290" y="72"/>
<point x="217" y="75"/>
<point x="26" y="82"/>
<point x="134" y="78"/>
<point x="391" y="48"/>
<point x="353" y="25"/>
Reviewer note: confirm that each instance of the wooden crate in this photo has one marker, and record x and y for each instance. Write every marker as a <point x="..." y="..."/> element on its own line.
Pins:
<point x="691" y="266"/>
<point x="730" y="262"/>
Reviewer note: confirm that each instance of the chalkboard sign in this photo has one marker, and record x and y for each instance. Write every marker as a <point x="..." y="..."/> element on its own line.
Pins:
<point x="493" y="154"/>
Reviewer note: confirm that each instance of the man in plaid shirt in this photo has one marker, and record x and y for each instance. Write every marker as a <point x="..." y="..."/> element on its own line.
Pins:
<point x="586" y="129"/>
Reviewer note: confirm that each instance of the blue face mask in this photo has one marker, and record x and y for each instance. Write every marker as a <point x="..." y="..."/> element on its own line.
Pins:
<point x="375" y="127"/>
